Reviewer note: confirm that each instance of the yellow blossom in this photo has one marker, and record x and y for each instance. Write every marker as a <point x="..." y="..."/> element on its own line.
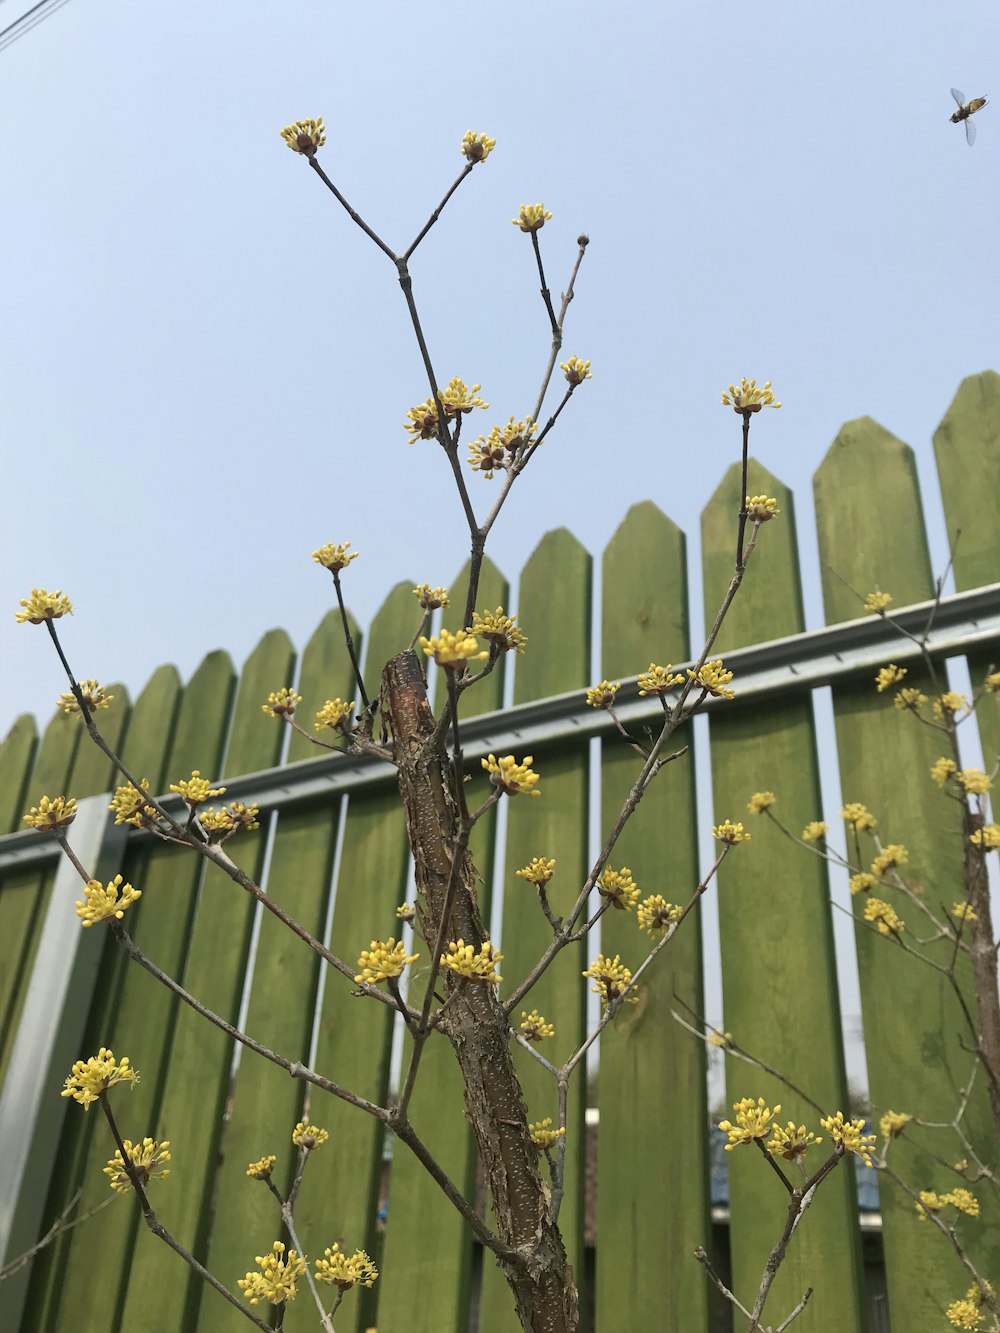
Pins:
<point x="334" y="557"/>
<point x="383" y="960"/>
<point x="761" y="801"/>
<point x="502" y="447"/>
<point x="857" y="815"/>
<point x="345" y="1270"/>
<point x="477" y="147"/>
<point x="942" y="769"/>
<point x="889" y="675"/>
<point x="659" y="679"/>
<point x="431" y="598"/>
<point x="406" y="912"/>
<point x="963" y="912"/>
<point x="305" y="136"/>
<point x="538" y="871"/>
<point x="511" y="777"/>
<point x="748" y="398"/>
<point x="713" y="679"/>
<point x="730" y="833"/>
<point x="909" y="700"/>
<point x="753" y="1121"/>
<point x="883" y="916"/>
<point x="229" y="819"/>
<point x="862" y="882"/>
<point x="281" y="703"/>
<point x="130" y="807"/>
<point x="929" y="1202"/>
<point x="603" y="695"/>
<point x="655" y="914"/>
<point x="452" y="651"/>
<point x="761" y="508"/>
<point x="499" y="630"/>
<point x="543" y="1135"/>
<point x="619" y="888"/>
<point x="950" y="703"/>
<point x="532" y="217"/>
<point x="964" y="1201"/>
<point x="262" y="1168"/>
<point x="890" y="857"/>
<point x="535" y="1027"/>
<point x="334" y="714"/>
<point x="42" y="605"/>
<point x="148" y="1158"/>
<point x="849" y="1135"/>
<point x="463" y="959"/>
<point x="965" y="1314"/>
<point x="992" y="683"/>
<point x="974" y="781"/>
<point x="576" y="371"/>
<point x="457" y="398"/>
<point x="101" y="904"/>
<point x="610" y="977"/>
<point x="308" y="1136"/>
<point x="277" y="1278"/>
<point x="52" y="812"/>
<point x="893" y="1123"/>
<point x="791" y="1142"/>
<point x="815" y="830"/>
<point x="93" y="697"/>
<point x="195" y="789"/>
<point x="877" y="601"/>
<point x="422" y="421"/>
<point x="721" y="1039"/>
<point x="987" y="837"/>
<point x="90" y="1078"/>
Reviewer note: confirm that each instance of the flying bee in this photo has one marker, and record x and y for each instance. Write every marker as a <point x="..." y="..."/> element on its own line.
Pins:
<point x="966" y="110"/>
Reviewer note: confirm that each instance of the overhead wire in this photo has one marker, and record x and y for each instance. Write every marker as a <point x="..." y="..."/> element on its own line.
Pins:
<point x="30" y="19"/>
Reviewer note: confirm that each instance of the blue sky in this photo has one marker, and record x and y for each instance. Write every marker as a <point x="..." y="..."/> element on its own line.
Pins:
<point x="205" y="366"/>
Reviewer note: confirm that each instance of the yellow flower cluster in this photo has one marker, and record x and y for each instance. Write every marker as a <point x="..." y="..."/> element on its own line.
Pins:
<point x="90" y="1078"/>
<point x="967" y="1313"/>
<point x="532" y="217"/>
<point x="52" y="812"/>
<point x="858" y="816"/>
<point x="849" y="1135"/>
<point x="761" y="801"/>
<point x="305" y="136"/>
<point x="862" y="882"/>
<point x="987" y="837"/>
<point x="345" y="1270"/>
<point x="149" y="1159"/>
<point x="884" y="916"/>
<point x="909" y="700"/>
<point x="281" y="703"/>
<point x="603" y="695"/>
<point x="538" y="870"/>
<point x="406" y="912"/>
<point x="463" y="959"/>
<point x="195" y="790"/>
<point x="93" y="697"/>
<point x="713" y="679"/>
<point x="422" y="421"/>
<point x="499" y="630"/>
<point x="942" y="769"/>
<point x="888" y="676"/>
<point x="753" y="1121"/>
<point x="659" y="679"/>
<point x="501" y="447"/>
<point x="877" y="601"/>
<point x="730" y="833"/>
<point x="791" y="1142"/>
<point x="459" y="398"/>
<point x="229" y="819"/>
<point x="477" y="147"/>
<point x="129" y="806"/>
<point x="101" y="904"/>
<point x="42" y="605"/>
<point x="619" y="888"/>
<point x="761" y="508"/>
<point x="334" y="714"/>
<point x="950" y="703"/>
<point x="974" y="781"/>
<point x="511" y="777"/>
<point x="655" y="914"/>
<point x="309" y="1136"/>
<point x="961" y="1199"/>
<point x="277" y="1278"/>
<point x="431" y="598"/>
<point x="992" y="683"/>
<point x="716" y="1038"/>
<point x="610" y="978"/>
<point x="334" y="557"/>
<point x="892" y="1124"/>
<point x="576" y="371"/>
<point x="543" y="1135"/>
<point x="748" y="398"/>
<point x="888" y="859"/>
<point x="262" y="1168"/>
<point x="535" y="1027"/>
<point x="452" y="651"/>
<point x="815" y="830"/>
<point x="384" y="959"/>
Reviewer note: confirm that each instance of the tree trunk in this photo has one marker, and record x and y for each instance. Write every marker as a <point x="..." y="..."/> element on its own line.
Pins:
<point x="475" y="1022"/>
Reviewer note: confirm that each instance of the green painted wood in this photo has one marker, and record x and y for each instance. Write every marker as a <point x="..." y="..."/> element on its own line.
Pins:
<point x="93" y="772"/>
<point x="778" y="969"/>
<point x="326" y="669"/>
<point x="871" y="534"/>
<point x="418" y="1208"/>
<point x="651" y="1202"/>
<point x="201" y="1056"/>
<point x="554" y="610"/>
<point x="141" y="1021"/>
<point x="17" y="754"/>
<point x="339" y="1198"/>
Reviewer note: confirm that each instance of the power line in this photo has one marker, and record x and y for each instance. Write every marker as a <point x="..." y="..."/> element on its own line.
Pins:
<point x="31" y="18"/>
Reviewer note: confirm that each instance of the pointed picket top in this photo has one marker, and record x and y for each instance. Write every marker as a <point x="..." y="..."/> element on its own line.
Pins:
<point x="494" y="591"/>
<point x="769" y="602"/>
<point x="151" y="724"/>
<point x="93" y="771"/>
<point x="17" y="751"/>
<point x="255" y="741"/>
<point x="644" y="591"/>
<point x="201" y="720"/>
<point x="390" y="632"/>
<point x="967" y="448"/>
<point x="868" y="510"/>
<point x="53" y="760"/>
<point x="556" y="624"/>
<point x="326" y="674"/>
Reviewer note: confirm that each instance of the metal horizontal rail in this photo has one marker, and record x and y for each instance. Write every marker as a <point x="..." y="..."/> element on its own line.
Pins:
<point x="963" y="623"/>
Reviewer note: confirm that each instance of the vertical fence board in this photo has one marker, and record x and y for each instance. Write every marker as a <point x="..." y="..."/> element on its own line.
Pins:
<point x="651" y="1202"/>
<point x="418" y="1208"/>
<point x="554" y="610"/>
<point x="159" y="1294"/>
<point x="19" y="894"/>
<point x="867" y="485"/>
<point x="17" y="754"/>
<point x="778" y="967"/>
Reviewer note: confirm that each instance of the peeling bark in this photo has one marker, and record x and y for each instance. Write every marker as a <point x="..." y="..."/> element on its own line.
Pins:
<point x="540" y="1276"/>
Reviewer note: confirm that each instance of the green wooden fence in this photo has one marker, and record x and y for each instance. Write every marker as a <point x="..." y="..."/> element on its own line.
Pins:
<point x="651" y="1170"/>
